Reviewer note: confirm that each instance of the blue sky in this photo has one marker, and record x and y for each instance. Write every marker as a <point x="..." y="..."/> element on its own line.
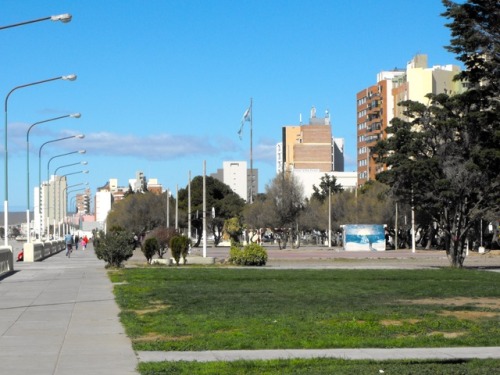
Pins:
<point x="162" y="85"/>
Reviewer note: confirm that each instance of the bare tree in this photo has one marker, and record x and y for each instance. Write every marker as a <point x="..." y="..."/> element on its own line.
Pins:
<point x="285" y="195"/>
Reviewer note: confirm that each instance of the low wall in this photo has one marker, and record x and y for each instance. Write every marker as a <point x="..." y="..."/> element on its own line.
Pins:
<point x="6" y="259"/>
<point x="36" y="251"/>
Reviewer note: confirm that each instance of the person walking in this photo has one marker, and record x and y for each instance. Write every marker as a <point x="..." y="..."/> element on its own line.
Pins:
<point x="85" y="241"/>
<point x="68" y="239"/>
<point x="77" y="239"/>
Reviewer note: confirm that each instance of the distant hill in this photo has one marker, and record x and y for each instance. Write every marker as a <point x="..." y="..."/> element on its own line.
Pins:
<point x="15" y="218"/>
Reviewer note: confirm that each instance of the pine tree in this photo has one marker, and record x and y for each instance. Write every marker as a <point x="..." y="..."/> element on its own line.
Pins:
<point x="444" y="157"/>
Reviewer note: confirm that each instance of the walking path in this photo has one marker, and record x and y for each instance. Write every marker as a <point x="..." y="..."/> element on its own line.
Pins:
<point x="375" y="354"/>
<point x="59" y="317"/>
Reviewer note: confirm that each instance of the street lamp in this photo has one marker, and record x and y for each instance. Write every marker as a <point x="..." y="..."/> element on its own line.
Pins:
<point x="74" y="115"/>
<point x="61" y="210"/>
<point x="48" y="167"/>
<point x="54" y="187"/>
<point x="61" y="205"/>
<point x="58" y="156"/>
<point x="65" y="192"/>
<point x="74" y="199"/>
<point x="80" y="136"/>
<point x="70" y="77"/>
<point x="64" y="18"/>
<point x="70" y="165"/>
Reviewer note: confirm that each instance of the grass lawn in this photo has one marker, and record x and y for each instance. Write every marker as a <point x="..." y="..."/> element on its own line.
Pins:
<point x="183" y="308"/>
<point x="324" y="366"/>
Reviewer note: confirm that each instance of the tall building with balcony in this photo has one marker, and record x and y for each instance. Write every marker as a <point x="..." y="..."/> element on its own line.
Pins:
<point x="83" y="202"/>
<point x="377" y="105"/>
<point x="375" y="109"/>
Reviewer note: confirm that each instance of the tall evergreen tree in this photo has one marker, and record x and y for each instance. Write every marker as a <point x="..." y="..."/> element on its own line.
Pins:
<point x="327" y="183"/>
<point x="226" y="203"/>
<point x="444" y="157"/>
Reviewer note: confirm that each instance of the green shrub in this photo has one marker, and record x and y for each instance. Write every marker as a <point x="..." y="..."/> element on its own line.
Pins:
<point x="251" y="255"/>
<point x="179" y="246"/>
<point x="163" y="235"/>
<point x="114" y="247"/>
<point x="150" y="248"/>
<point x="234" y="229"/>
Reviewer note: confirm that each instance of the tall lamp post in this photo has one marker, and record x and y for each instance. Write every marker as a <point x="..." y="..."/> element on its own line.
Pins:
<point x="58" y="183"/>
<point x="65" y="192"/>
<point x="70" y="77"/>
<point x="74" y="199"/>
<point x="58" y="156"/>
<point x="74" y="115"/>
<point x="64" y="18"/>
<point x="61" y="209"/>
<point x="48" y="168"/>
<point x="70" y="165"/>
<point x="80" y="136"/>
<point x="40" y="187"/>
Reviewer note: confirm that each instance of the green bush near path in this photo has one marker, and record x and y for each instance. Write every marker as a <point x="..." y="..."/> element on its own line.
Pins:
<point x="229" y="309"/>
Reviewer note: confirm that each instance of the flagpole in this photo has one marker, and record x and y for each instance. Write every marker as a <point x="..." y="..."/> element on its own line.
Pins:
<point x="251" y="152"/>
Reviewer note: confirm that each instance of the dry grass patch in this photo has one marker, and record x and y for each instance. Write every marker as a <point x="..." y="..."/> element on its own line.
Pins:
<point x="470" y="315"/>
<point x="157" y="306"/>
<point x="388" y="322"/>
<point x="447" y="335"/>
<point x="489" y="303"/>
<point x="484" y="303"/>
<point x="154" y="336"/>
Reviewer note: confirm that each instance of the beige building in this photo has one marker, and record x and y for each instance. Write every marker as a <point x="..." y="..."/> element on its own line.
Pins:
<point x="310" y="151"/>
<point x="377" y="105"/>
<point x="308" y="146"/>
<point x="419" y="80"/>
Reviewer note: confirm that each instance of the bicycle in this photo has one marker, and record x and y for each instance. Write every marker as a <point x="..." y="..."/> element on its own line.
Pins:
<point x="69" y="250"/>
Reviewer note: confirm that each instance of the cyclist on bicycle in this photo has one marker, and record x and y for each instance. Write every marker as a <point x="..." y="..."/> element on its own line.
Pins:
<point x="68" y="239"/>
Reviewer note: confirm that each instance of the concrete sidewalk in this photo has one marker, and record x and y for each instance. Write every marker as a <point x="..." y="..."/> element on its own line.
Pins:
<point x="59" y="317"/>
<point x="372" y="354"/>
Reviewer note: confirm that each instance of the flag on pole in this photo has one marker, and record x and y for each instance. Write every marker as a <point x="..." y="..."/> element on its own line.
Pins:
<point x="247" y="116"/>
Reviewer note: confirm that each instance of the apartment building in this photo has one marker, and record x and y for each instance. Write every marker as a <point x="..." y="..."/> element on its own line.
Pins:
<point x="239" y="178"/>
<point x="310" y="151"/>
<point x="375" y="110"/>
<point x="82" y="202"/>
<point x="377" y="105"/>
<point x="111" y="193"/>
<point x="308" y="146"/>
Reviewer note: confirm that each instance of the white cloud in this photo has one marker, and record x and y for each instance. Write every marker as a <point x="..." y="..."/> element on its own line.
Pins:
<point x="152" y="147"/>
